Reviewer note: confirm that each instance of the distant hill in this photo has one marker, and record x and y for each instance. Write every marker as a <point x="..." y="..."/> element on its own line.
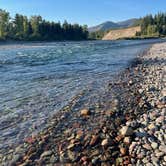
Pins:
<point x="128" y="23"/>
<point x="122" y="33"/>
<point x="112" y="25"/>
<point x="103" y="27"/>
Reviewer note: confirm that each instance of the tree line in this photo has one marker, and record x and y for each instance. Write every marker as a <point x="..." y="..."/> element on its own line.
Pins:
<point x="36" y="28"/>
<point x="153" y="26"/>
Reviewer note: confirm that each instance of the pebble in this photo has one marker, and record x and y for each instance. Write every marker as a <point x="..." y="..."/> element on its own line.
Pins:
<point x="127" y="140"/>
<point x="162" y="148"/>
<point x="126" y="131"/>
<point x="151" y="126"/>
<point x="46" y="153"/>
<point x="105" y="142"/>
<point x="154" y="145"/>
<point x="85" y="112"/>
<point x="165" y="158"/>
<point x="94" y="140"/>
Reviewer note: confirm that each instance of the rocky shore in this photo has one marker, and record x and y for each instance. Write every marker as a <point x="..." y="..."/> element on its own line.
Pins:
<point x="126" y="127"/>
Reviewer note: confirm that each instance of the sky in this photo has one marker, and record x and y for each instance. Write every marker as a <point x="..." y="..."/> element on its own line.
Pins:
<point x="89" y="12"/>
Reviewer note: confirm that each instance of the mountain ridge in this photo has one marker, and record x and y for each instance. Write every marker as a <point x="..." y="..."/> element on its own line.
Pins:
<point x="111" y="25"/>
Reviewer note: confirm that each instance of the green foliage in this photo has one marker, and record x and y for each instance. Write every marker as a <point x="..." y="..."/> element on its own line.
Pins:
<point x="153" y="26"/>
<point x="36" y="28"/>
<point x="4" y="21"/>
<point x="97" y="35"/>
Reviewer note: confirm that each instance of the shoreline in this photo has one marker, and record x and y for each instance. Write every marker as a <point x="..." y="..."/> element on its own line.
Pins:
<point x="104" y="133"/>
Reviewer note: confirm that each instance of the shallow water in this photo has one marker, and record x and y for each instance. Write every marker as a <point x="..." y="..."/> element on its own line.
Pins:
<point x="38" y="79"/>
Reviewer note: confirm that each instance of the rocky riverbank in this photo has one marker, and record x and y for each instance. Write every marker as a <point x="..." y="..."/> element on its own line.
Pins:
<point x="126" y="127"/>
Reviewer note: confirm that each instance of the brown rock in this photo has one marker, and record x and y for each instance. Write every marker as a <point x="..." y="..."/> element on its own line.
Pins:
<point x="84" y="158"/>
<point x="119" y="138"/>
<point x="123" y="151"/>
<point x="105" y="142"/>
<point x="127" y="140"/>
<point x="94" y="140"/>
<point x="85" y="112"/>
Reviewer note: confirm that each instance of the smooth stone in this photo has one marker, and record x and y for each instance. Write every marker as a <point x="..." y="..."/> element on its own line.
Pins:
<point x="95" y="160"/>
<point x="141" y="134"/>
<point x="158" y="153"/>
<point x="154" y="145"/>
<point x="71" y="146"/>
<point x="85" y="112"/>
<point x="162" y="148"/>
<point x="151" y="126"/>
<point x="165" y="158"/>
<point x="127" y="140"/>
<point x="163" y="92"/>
<point x="145" y="160"/>
<point x="154" y="159"/>
<point x="123" y="151"/>
<point x="46" y="153"/>
<point x="160" y="119"/>
<point x="71" y="155"/>
<point x="147" y="146"/>
<point x="94" y="140"/>
<point x="105" y="142"/>
<point x="126" y="131"/>
<point x="15" y="159"/>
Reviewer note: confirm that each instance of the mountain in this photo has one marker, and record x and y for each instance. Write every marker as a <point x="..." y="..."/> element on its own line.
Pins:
<point x="112" y="25"/>
<point x="128" y="23"/>
<point x="103" y="27"/>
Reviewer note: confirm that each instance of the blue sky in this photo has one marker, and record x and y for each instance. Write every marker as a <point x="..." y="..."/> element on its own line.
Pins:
<point x="90" y="12"/>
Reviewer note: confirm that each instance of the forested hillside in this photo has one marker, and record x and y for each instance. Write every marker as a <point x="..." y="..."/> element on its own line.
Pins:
<point x="35" y="28"/>
<point x="153" y="26"/>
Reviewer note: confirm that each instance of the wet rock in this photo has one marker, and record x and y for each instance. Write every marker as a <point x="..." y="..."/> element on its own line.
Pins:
<point x="84" y="158"/>
<point x="95" y="160"/>
<point x="94" y="140"/>
<point x="151" y="126"/>
<point x="127" y="140"/>
<point x="160" y="119"/>
<point x="72" y="156"/>
<point x="123" y="151"/>
<point x="71" y="146"/>
<point x="119" y="138"/>
<point x="85" y="112"/>
<point x="105" y="142"/>
<point x="15" y="159"/>
<point x="46" y="153"/>
<point x="119" y="160"/>
<point x="126" y="131"/>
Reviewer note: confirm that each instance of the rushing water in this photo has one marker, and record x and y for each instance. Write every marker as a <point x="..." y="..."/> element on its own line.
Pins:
<point x="37" y="79"/>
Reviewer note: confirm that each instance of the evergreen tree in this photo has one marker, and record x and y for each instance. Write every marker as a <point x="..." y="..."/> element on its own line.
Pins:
<point x="35" y="28"/>
<point x="4" y="22"/>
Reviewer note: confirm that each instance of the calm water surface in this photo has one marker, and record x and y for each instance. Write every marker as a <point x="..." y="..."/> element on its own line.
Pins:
<point x="38" y="79"/>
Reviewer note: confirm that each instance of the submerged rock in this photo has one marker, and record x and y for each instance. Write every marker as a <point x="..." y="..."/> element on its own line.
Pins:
<point x="85" y="112"/>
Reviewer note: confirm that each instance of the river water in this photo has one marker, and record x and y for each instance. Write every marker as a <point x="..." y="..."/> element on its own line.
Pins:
<point x="38" y="79"/>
